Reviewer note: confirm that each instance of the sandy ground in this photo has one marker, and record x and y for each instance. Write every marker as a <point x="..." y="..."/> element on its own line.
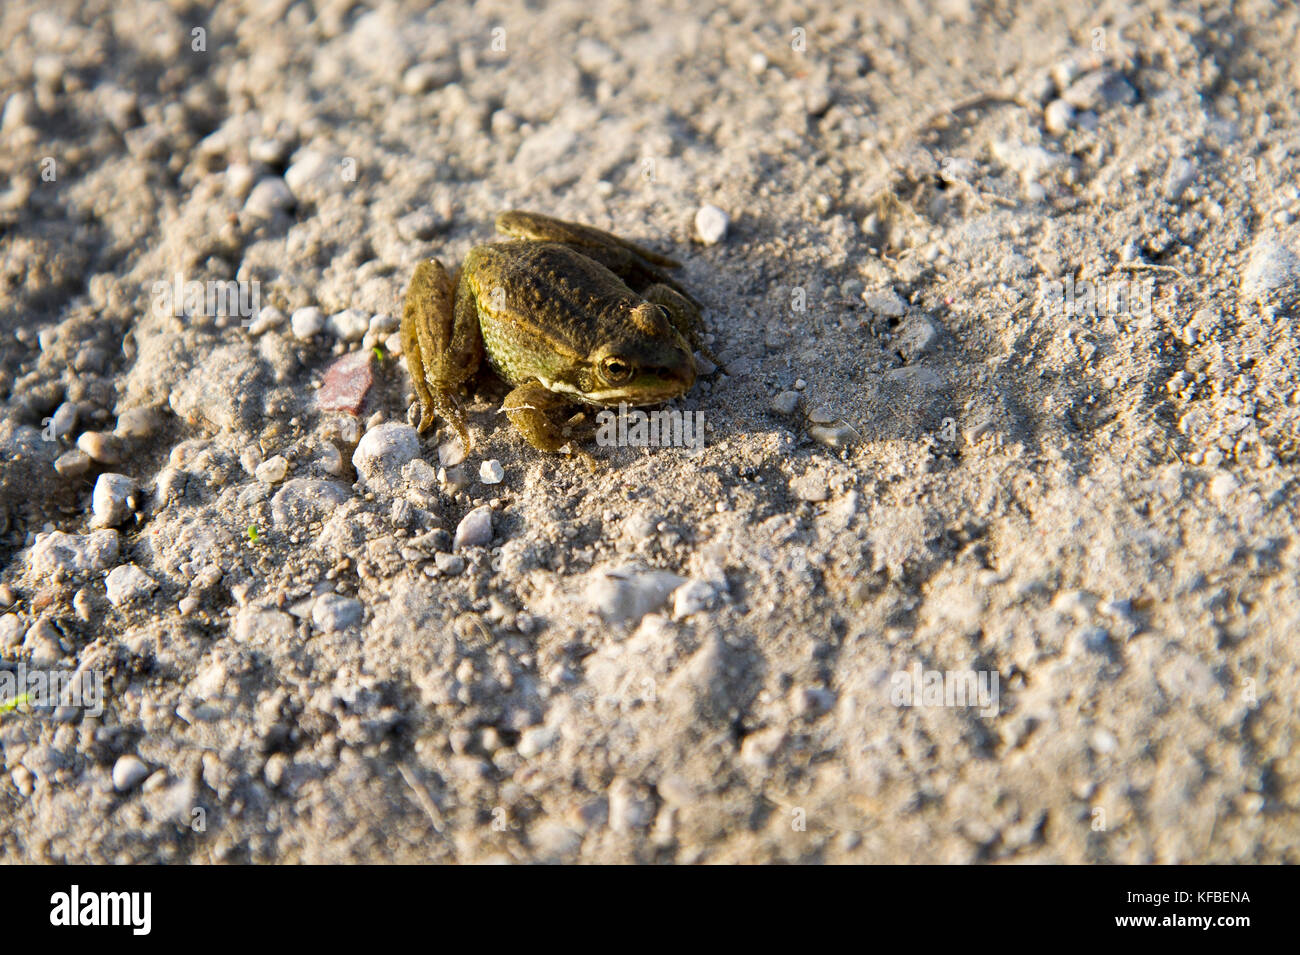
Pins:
<point x="1006" y="304"/>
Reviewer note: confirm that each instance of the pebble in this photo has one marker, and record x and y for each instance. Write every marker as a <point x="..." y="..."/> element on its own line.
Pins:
<point x="382" y="453"/>
<point x="11" y="631"/>
<point x="128" y="772"/>
<point x="350" y="325"/>
<point x="74" y="553"/>
<point x="534" y="740"/>
<point x="313" y="175"/>
<point x="382" y="324"/>
<point x="347" y="381"/>
<point x="74" y="463"/>
<point x="64" y="419"/>
<point x="1058" y="117"/>
<point x="711" y="224"/>
<point x="1222" y="487"/>
<point x="42" y="643"/>
<point x="491" y="472"/>
<point x="692" y="597"/>
<point x="474" y="529"/>
<point x="112" y="501"/>
<point x="239" y="180"/>
<point x="832" y="436"/>
<point x="268" y="318"/>
<point x="307" y="323"/>
<point x="101" y="446"/>
<point x="136" y="424"/>
<point x="1099" y="89"/>
<point x="629" y="593"/>
<point x="128" y="583"/>
<point x="20" y="111"/>
<point x="449" y="564"/>
<point x="334" y="612"/>
<point x="823" y="415"/>
<point x="885" y="302"/>
<point x="270" y="196"/>
<point x="785" y="403"/>
<point x="273" y="470"/>
<point x="420" y="225"/>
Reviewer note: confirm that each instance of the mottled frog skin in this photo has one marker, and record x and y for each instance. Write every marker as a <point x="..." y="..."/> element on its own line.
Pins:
<point x="563" y="312"/>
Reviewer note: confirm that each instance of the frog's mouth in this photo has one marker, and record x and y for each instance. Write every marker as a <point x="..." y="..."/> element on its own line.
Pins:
<point x="650" y="387"/>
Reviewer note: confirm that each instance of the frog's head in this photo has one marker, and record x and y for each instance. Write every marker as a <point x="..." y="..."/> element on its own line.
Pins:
<point x="642" y="361"/>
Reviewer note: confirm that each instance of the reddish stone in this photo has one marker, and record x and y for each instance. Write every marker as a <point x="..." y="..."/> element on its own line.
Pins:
<point x="346" y="383"/>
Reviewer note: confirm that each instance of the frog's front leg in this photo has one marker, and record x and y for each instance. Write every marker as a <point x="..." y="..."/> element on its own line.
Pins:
<point x="532" y="409"/>
<point x="442" y="343"/>
<point x="685" y="317"/>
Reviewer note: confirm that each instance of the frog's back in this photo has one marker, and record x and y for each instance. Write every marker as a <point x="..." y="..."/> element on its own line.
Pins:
<point x="541" y="305"/>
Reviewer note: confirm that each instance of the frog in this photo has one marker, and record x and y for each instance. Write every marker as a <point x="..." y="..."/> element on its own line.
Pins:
<point x="566" y="314"/>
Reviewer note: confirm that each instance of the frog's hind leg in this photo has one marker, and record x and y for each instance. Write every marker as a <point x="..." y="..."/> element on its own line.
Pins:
<point x="637" y="266"/>
<point x="685" y="316"/>
<point x="442" y="344"/>
<point x="534" y="411"/>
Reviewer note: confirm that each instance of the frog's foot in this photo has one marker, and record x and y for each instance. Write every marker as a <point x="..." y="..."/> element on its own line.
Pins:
<point x="638" y="267"/>
<point x="684" y="313"/>
<point x="442" y="345"/>
<point x="530" y="408"/>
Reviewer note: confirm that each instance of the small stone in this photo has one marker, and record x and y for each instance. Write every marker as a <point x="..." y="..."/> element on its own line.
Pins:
<point x="382" y="453"/>
<point x="692" y="597"/>
<point x="785" y="403"/>
<point x="382" y="324"/>
<point x="239" y="180"/>
<point x="128" y="583"/>
<point x="1058" y="117"/>
<point x="823" y="415"/>
<point x="187" y="605"/>
<point x="64" y="419"/>
<point x="833" y="436"/>
<point x="420" y="225"/>
<point x="711" y="224"/>
<point x="474" y="529"/>
<point x="102" y="447"/>
<point x="334" y="612"/>
<point x="885" y="302"/>
<point x="268" y="318"/>
<point x="491" y="472"/>
<point x="11" y="631"/>
<point x="534" y="740"/>
<point x="112" y="501"/>
<point x="302" y="501"/>
<point x="73" y="553"/>
<point x="347" y="381"/>
<point x="20" y="112"/>
<point x="449" y="564"/>
<point x="1099" y="89"/>
<point x="307" y="323"/>
<point x="128" y="772"/>
<point x="136" y="424"/>
<point x="74" y="463"/>
<point x="273" y="470"/>
<point x="453" y="479"/>
<point x="269" y="197"/>
<point x="43" y="644"/>
<point x="350" y="325"/>
<point x="627" y="594"/>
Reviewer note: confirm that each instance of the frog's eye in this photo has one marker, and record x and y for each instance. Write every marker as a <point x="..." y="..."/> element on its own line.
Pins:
<point x="668" y="316"/>
<point x="616" y="371"/>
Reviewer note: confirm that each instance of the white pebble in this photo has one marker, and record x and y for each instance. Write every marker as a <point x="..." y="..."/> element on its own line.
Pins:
<point x="491" y="472"/>
<point x="307" y="323"/>
<point x="128" y="772"/>
<point x="128" y="583"/>
<point x="382" y="453"/>
<point x="268" y="197"/>
<point x="349" y="325"/>
<point x="111" y="500"/>
<point x="711" y="224"/>
<point x="273" y="470"/>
